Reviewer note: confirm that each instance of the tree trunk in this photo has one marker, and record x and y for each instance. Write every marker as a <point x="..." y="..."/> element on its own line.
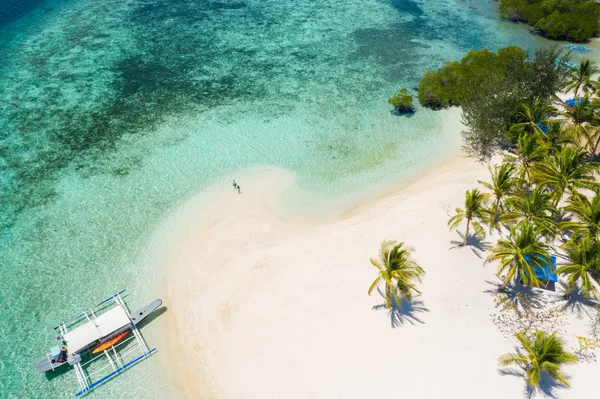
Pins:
<point x="593" y="154"/>
<point x="388" y="295"/>
<point x="502" y="287"/>
<point x="466" y="233"/>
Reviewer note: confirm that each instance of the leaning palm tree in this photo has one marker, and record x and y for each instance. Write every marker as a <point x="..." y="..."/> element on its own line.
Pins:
<point x="519" y="254"/>
<point x="475" y="213"/>
<point x="502" y="183"/>
<point x="587" y="212"/>
<point x="534" y="206"/>
<point x="583" y="258"/>
<point x="528" y="152"/>
<point x="542" y="353"/>
<point x="566" y="171"/>
<point x="581" y="78"/>
<point x="398" y="271"/>
<point x="592" y="140"/>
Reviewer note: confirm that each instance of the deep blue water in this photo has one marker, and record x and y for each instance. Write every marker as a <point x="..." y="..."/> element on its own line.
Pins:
<point x="12" y="10"/>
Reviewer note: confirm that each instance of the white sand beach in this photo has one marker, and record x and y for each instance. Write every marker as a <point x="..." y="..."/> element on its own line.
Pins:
<point x="262" y="305"/>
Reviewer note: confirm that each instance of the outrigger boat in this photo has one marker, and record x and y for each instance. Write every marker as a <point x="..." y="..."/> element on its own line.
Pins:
<point x="576" y="47"/>
<point x="101" y="327"/>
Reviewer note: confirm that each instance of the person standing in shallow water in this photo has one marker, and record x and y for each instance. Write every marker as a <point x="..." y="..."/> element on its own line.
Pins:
<point x="234" y="184"/>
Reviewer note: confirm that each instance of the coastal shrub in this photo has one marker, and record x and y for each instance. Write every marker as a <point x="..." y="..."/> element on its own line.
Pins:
<point x="457" y="82"/>
<point x="492" y="88"/>
<point x="575" y="20"/>
<point x="402" y="101"/>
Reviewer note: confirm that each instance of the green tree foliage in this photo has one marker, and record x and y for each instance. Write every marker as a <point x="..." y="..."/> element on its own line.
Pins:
<point x="542" y="353"/>
<point x="583" y="261"/>
<point x="528" y="152"/>
<point x="475" y="213"/>
<point x="457" y="82"/>
<point x="503" y="183"/>
<point x="581" y="78"/>
<point x="534" y="206"/>
<point x="402" y="101"/>
<point x="587" y="213"/>
<point x="493" y="89"/>
<point x="398" y="271"/>
<point x="576" y="20"/>
<point x="524" y="240"/>
<point x="567" y="171"/>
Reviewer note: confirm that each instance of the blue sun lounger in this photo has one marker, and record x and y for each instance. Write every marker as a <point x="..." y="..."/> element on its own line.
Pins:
<point x="575" y="101"/>
<point x="546" y="273"/>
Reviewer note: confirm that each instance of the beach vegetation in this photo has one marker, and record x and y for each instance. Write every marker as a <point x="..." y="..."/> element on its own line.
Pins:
<point x="581" y="119"/>
<point x="531" y="116"/>
<point x="475" y="213"/>
<point x="538" y="354"/>
<point x="534" y="206"/>
<point x="398" y="271"/>
<point x="566" y="172"/>
<point x="587" y="213"/>
<point x="503" y="183"/>
<point x="402" y="101"/>
<point x="581" y="78"/>
<point x="575" y="20"/>
<point x="519" y="253"/>
<point x="583" y="259"/>
<point x="555" y="137"/>
<point x="457" y="82"/>
<point x="528" y="151"/>
<point x="496" y="91"/>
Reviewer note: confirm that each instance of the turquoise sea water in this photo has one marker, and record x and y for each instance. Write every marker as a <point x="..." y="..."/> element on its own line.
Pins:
<point x="112" y="113"/>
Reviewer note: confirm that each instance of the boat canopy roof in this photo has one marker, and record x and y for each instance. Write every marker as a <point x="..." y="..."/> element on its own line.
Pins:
<point x="101" y="326"/>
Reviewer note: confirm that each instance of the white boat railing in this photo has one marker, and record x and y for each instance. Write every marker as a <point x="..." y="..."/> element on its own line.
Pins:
<point x="116" y="361"/>
<point x="73" y="319"/>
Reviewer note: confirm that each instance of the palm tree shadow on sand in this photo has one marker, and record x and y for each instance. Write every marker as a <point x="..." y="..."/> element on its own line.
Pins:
<point x="521" y="297"/>
<point x="576" y="303"/>
<point x="403" y="312"/>
<point x="476" y="244"/>
<point x="547" y="387"/>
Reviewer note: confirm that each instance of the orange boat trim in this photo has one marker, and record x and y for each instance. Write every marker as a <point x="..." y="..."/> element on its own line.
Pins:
<point x="110" y="343"/>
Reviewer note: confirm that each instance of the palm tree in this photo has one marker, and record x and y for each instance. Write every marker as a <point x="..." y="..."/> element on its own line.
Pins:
<point x="581" y="78"/>
<point x="588" y="214"/>
<point x="528" y="152"/>
<point x="583" y="258"/>
<point x="475" y="213"/>
<point x="502" y="184"/>
<point x="592" y="139"/>
<point x="542" y="353"/>
<point x="556" y="137"/>
<point x="567" y="170"/>
<point x="398" y="271"/>
<point x="531" y="114"/>
<point x="523" y="241"/>
<point x="580" y="115"/>
<point x="534" y="206"/>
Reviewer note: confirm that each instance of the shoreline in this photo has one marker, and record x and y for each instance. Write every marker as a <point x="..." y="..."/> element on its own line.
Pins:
<point x="259" y="212"/>
<point x="263" y="304"/>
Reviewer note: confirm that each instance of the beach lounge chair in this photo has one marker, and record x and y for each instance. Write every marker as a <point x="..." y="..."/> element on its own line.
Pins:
<point x="546" y="273"/>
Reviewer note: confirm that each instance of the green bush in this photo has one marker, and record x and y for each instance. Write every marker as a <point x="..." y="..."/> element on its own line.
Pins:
<point x="491" y="87"/>
<point x="575" y="20"/>
<point x="402" y="101"/>
<point x="455" y="82"/>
